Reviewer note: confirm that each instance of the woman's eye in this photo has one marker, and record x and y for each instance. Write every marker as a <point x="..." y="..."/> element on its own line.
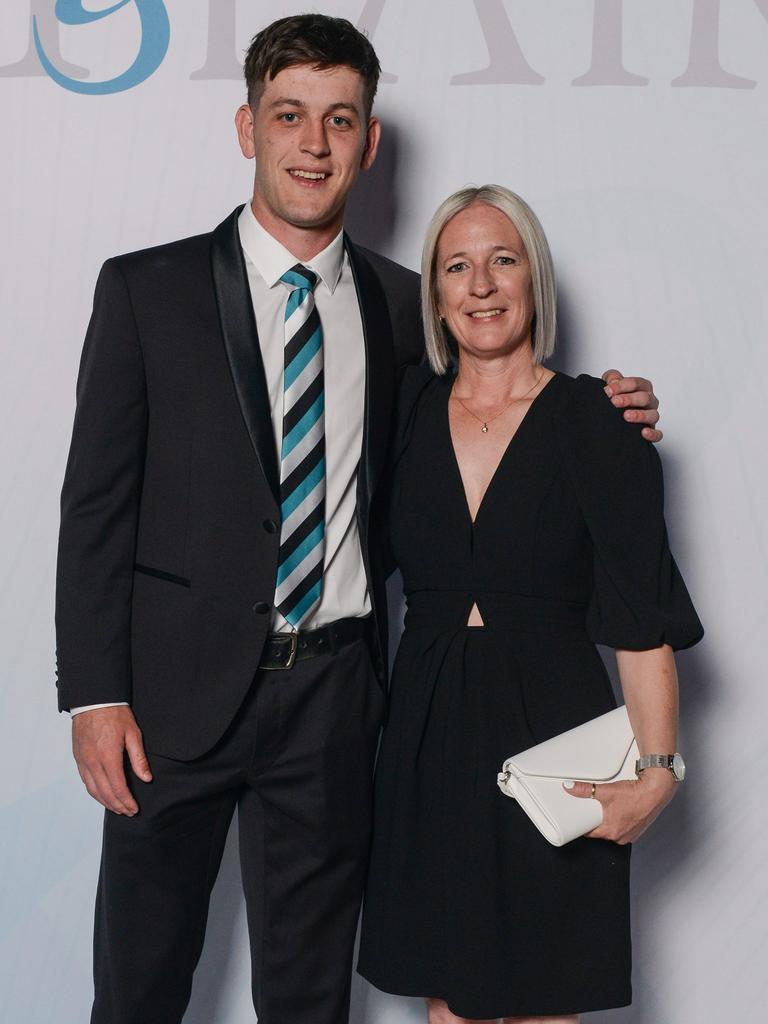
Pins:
<point x="454" y="268"/>
<point x="505" y="261"/>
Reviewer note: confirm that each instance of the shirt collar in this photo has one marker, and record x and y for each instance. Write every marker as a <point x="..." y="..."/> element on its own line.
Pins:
<point x="271" y="259"/>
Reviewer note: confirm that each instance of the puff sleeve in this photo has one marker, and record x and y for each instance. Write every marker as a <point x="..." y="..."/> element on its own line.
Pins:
<point x="639" y="600"/>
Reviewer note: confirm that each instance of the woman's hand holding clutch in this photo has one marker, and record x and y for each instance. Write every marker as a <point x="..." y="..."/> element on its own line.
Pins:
<point x="649" y="685"/>
<point x="628" y="807"/>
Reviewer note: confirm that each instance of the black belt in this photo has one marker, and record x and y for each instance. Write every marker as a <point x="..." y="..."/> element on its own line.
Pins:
<point x="281" y="650"/>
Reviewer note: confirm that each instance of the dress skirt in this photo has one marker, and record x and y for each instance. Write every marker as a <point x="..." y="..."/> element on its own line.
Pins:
<point x="466" y="900"/>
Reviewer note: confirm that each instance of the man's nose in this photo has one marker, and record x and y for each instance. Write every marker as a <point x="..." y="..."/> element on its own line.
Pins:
<point x="315" y="139"/>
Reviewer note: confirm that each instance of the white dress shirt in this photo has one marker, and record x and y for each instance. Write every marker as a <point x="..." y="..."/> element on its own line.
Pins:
<point x="345" y="589"/>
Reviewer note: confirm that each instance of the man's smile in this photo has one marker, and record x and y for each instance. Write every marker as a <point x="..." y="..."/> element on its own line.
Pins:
<point x="308" y="178"/>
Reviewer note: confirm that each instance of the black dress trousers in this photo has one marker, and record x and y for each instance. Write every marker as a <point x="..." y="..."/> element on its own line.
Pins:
<point x="297" y="763"/>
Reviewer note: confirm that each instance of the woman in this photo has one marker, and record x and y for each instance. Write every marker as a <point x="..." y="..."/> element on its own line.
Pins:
<point x="527" y="519"/>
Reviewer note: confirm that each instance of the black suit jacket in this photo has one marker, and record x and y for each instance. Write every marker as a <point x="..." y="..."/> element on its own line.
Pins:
<point x="168" y="548"/>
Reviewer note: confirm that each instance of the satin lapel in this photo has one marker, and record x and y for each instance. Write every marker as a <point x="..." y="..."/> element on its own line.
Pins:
<point x="241" y="340"/>
<point x="379" y="372"/>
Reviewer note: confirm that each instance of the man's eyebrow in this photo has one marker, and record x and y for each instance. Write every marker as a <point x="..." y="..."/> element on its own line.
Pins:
<point x="288" y="101"/>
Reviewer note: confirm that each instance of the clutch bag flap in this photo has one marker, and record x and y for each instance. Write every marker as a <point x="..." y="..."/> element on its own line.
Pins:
<point x="596" y="751"/>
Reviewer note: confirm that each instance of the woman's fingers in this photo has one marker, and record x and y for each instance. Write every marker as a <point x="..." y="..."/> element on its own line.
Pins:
<point x="582" y="789"/>
<point x="628" y="807"/>
<point x="589" y="791"/>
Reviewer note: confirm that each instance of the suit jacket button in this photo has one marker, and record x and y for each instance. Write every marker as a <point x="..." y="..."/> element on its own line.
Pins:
<point x="270" y="525"/>
<point x="261" y="607"/>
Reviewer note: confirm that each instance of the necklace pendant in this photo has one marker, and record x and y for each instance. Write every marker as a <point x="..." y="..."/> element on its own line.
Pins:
<point x="484" y="428"/>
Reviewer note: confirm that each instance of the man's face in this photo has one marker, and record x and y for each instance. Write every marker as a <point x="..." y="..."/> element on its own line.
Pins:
<point x="310" y="138"/>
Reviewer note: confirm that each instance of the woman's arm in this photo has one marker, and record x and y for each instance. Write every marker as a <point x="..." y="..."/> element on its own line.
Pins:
<point x="649" y="684"/>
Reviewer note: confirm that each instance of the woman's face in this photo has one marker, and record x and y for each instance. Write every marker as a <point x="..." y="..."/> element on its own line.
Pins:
<point x="484" y="282"/>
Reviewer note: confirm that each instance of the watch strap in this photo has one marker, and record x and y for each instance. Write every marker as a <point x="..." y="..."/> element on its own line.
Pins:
<point x="672" y="762"/>
<point x="654" y="761"/>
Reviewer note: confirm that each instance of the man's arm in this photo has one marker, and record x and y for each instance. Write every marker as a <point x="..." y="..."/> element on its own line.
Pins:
<point x="635" y="396"/>
<point x="99" y="515"/>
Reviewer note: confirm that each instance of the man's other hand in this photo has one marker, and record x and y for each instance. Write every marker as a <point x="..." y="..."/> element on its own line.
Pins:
<point x="100" y="739"/>
<point x="635" y="396"/>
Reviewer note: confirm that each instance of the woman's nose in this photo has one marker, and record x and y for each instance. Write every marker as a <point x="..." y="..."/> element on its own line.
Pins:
<point x="482" y="282"/>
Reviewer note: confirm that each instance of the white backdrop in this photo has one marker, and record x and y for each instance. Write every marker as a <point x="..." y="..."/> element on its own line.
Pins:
<point x="637" y="130"/>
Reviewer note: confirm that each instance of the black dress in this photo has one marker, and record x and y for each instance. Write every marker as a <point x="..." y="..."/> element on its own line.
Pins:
<point x="466" y="901"/>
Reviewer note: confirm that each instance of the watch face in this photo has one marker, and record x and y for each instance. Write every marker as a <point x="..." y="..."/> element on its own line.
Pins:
<point x="678" y="767"/>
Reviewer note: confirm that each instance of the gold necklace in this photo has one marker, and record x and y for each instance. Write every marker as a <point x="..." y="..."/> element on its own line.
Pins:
<point x="485" y="422"/>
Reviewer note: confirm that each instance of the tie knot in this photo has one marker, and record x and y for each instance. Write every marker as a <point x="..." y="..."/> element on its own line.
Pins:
<point x="300" y="277"/>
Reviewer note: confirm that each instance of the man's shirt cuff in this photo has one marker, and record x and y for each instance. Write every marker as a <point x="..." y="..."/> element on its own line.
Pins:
<point x="92" y="707"/>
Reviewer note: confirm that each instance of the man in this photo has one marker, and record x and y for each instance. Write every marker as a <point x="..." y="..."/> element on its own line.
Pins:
<point x="220" y="606"/>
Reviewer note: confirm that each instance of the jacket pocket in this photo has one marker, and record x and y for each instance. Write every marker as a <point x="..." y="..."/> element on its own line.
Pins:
<point x="161" y="575"/>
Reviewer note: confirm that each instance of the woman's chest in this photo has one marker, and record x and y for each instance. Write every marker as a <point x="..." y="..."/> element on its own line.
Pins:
<point x="506" y="516"/>
<point x="478" y="450"/>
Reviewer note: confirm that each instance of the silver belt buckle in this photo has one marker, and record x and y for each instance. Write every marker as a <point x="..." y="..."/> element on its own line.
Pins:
<point x="293" y="639"/>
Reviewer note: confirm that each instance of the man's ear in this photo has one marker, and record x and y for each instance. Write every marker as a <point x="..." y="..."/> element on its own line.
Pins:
<point x="372" y="138"/>
<point x="244" y="126"/>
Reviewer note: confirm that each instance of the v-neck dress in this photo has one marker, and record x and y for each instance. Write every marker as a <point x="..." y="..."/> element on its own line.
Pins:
<point x="466" y="901"/>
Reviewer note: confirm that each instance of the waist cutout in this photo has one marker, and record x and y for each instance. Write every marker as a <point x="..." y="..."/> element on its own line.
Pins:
<point x="449" y="609"/>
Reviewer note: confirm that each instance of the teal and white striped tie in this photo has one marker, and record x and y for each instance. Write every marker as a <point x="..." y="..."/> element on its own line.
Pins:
<point x="302" y="457"/>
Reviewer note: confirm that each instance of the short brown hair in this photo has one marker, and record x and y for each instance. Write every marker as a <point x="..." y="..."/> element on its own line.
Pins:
<point x="315" y="39"/>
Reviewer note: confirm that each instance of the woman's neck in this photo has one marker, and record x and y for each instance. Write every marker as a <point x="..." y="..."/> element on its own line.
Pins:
<point x="492" y="379"/>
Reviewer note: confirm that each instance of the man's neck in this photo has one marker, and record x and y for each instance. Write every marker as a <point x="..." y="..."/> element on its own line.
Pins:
<point x="303" y="243"/>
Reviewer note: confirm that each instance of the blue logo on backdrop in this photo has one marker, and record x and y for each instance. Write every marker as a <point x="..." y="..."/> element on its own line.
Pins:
<point x="155" y="37"/>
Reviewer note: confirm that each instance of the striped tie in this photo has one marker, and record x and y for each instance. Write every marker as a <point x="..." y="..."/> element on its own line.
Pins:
<point x="302" y="457"/>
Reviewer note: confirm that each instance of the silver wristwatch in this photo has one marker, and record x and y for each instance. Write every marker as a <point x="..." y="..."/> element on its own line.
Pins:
<point x="673" y="762"/>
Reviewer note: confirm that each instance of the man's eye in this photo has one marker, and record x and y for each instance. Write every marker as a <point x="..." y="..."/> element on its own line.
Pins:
<point x="289" y="117"/>
<point x="339" y="122"/>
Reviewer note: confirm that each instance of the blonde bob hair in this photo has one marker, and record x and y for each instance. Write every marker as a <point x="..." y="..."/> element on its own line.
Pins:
<point x="539" y="258"/>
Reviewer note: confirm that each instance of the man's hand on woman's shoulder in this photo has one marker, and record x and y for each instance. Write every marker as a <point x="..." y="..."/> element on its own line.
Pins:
<point x="635" y="396"/>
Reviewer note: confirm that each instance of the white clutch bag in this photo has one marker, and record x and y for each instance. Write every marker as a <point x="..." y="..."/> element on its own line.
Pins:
<point x="601" y="750"/>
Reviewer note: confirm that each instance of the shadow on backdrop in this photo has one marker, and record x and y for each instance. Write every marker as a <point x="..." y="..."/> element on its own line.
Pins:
<point x="566" y="355"/>
<point x="371" y="217"/>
